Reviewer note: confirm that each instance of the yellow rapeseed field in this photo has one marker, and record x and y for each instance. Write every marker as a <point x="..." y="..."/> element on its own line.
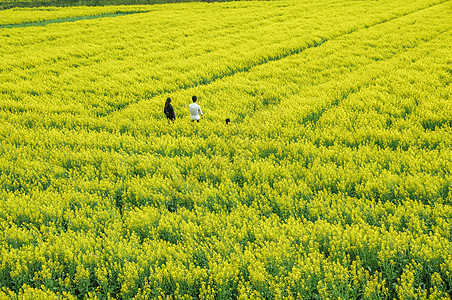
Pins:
<point x="333" y="179"/>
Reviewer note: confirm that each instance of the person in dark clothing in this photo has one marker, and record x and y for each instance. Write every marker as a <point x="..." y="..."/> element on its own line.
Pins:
<point x="169" y="111"/>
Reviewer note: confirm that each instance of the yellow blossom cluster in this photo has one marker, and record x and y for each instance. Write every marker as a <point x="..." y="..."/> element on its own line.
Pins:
<point x="332" y="181"/>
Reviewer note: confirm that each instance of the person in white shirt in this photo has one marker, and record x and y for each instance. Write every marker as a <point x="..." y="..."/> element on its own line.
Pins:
<point x="195" y="110"/>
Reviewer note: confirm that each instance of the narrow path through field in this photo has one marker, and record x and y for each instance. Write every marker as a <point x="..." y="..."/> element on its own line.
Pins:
<point x="71" y="19"/>
<point x="280" y="56"/>
<point x="337" y="102"/>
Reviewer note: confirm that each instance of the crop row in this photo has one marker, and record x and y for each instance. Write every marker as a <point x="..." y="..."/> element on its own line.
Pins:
<point x="30" y="16"/>
<point x="138" y="56"/>
<point x="332" y="180"/>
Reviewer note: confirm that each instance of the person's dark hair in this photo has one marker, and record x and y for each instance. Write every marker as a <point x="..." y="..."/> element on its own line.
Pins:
<point x="194" y="98"/>
<point x="228" y="121"/>
<point x="168" y="101"/>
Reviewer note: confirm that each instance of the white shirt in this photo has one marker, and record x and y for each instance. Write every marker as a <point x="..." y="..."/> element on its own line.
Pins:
<point x="195" y="111"/>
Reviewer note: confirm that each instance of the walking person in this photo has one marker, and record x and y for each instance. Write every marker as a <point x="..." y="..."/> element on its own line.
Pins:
<point x="169" y="111"/>
<point x="195" y="110"/>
